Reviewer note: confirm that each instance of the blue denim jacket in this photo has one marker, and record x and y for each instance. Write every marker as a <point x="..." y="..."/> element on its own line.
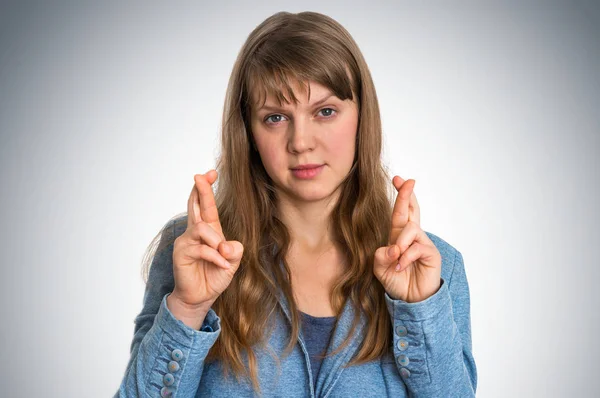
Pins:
<point x="431" y="354"/>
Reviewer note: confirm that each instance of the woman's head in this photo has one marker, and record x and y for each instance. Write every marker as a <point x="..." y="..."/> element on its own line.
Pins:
<point x="290" y="61"/>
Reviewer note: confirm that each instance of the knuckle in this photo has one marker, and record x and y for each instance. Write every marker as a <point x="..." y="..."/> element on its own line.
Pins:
<point x="403" y="247"/>
<point x="398" y="212"/>
<point x="202" y="229"/>
<point x="198" y="228"/>
<point x="179" y="242"/>
<point x="176" y="246"/>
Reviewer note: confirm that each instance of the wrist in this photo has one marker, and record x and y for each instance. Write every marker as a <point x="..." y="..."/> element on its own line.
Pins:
<point x="191" y="315"/>
<point x="186" y="308"/>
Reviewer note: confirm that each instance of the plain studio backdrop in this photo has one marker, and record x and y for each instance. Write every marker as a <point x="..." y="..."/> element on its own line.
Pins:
<point x="107" y="111"/>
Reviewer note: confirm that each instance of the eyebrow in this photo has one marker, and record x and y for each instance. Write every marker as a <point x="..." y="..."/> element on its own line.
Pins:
<point x="319" y="102"/>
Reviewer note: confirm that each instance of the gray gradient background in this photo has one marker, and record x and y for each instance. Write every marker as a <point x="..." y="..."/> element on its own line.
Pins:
<point x="107" y="111"/>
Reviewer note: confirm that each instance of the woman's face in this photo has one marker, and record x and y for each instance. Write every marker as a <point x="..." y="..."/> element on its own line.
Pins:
<point x="321" y="132"/>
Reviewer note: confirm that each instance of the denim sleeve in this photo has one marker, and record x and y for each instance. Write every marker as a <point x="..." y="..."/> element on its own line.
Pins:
<point x="166" y="356"/>
<point x="432" y="339"/>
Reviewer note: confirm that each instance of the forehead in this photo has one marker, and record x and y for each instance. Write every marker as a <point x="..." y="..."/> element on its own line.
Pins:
<point x="294" y="91"/>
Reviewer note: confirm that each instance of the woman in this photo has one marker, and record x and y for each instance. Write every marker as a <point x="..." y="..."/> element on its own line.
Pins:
<point x="302" y="276"/>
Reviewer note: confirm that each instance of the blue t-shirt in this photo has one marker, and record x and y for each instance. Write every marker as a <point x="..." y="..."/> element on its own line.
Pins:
<point x="317" y="333"/>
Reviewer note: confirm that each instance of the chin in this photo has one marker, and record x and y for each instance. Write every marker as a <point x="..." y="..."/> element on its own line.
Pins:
<point x="313" y="193"/>
<point x="307" y="190"/>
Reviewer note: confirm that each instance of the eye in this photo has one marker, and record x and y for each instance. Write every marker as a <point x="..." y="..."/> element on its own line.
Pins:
<point x="330" y="114"/>
<point x="275" y="122"/>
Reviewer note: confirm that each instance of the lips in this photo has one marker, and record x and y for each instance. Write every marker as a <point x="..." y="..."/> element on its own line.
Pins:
<point x="307" y="166"/>
<point x="307" y="173"/>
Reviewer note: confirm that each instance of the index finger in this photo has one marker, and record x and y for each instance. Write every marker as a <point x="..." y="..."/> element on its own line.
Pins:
<point x="193" y="208"/>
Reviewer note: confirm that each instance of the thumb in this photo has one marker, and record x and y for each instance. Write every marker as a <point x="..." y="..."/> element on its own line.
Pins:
<point x="232" y="250"/>
<point x="398" y="182"/>
<point x="386" y="256"/>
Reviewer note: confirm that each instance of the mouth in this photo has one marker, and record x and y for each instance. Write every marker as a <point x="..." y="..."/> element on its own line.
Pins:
<point x="307" y="172"/>
<point x="307" y="166"/>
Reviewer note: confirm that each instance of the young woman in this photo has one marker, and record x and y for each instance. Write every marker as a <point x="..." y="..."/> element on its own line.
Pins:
<point x="302" y="276"/>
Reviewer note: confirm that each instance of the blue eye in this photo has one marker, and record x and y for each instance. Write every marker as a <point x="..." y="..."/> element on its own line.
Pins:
<point x="330" y="109"/>
<point x="269" y="117"/>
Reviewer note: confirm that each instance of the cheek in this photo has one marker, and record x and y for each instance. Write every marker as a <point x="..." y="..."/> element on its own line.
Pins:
<point x="271" y="154"/>
<point x="342" y="143"/>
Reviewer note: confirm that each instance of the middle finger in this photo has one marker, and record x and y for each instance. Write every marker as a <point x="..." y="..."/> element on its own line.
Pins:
<point x="400" y="212"/>
<point x="414" y="213"/>
<point x="208" y="207"/>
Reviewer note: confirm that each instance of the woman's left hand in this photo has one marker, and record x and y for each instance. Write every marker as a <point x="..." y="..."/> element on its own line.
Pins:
<point x="412" y="271"/>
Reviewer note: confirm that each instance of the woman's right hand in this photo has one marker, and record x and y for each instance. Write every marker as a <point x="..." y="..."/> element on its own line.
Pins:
<point x="202" y="266"/>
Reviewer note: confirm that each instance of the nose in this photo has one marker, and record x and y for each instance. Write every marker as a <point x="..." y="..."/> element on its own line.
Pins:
<point x="301" y="136"/>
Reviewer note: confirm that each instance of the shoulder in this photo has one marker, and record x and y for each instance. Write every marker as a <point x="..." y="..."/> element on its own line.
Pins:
<point x="170" y="231"/>
<point x="451" y="257"/>
<point x="179" y="224"/>
<point x="174" y="227"/>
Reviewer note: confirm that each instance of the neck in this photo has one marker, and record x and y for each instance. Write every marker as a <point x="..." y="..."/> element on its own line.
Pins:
<point x="308" y="222"/>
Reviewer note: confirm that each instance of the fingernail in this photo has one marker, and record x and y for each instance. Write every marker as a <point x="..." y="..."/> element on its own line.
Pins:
<point x="391" y="251"/>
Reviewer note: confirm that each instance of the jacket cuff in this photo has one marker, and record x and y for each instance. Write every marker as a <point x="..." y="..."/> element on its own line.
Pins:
<point x="181" y="353"/>
<point x="181" y="331"/>
<point x="415" y="327"/>
<point x="421" y="310"/>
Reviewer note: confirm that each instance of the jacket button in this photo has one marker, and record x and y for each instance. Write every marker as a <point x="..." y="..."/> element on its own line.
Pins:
<point x="168" y="379"/>
<point x="401" y="330"/>
<point x="173" y="366"/>
<point x="403" y="360"/>
<point x="402" y="344"/>
<point x="176" y="354"/>
<point x="405" y="373"/>
<point x="166" y="392"/>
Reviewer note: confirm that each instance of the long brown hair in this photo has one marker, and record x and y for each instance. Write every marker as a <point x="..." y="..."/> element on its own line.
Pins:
<point x="301" y="47"/>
